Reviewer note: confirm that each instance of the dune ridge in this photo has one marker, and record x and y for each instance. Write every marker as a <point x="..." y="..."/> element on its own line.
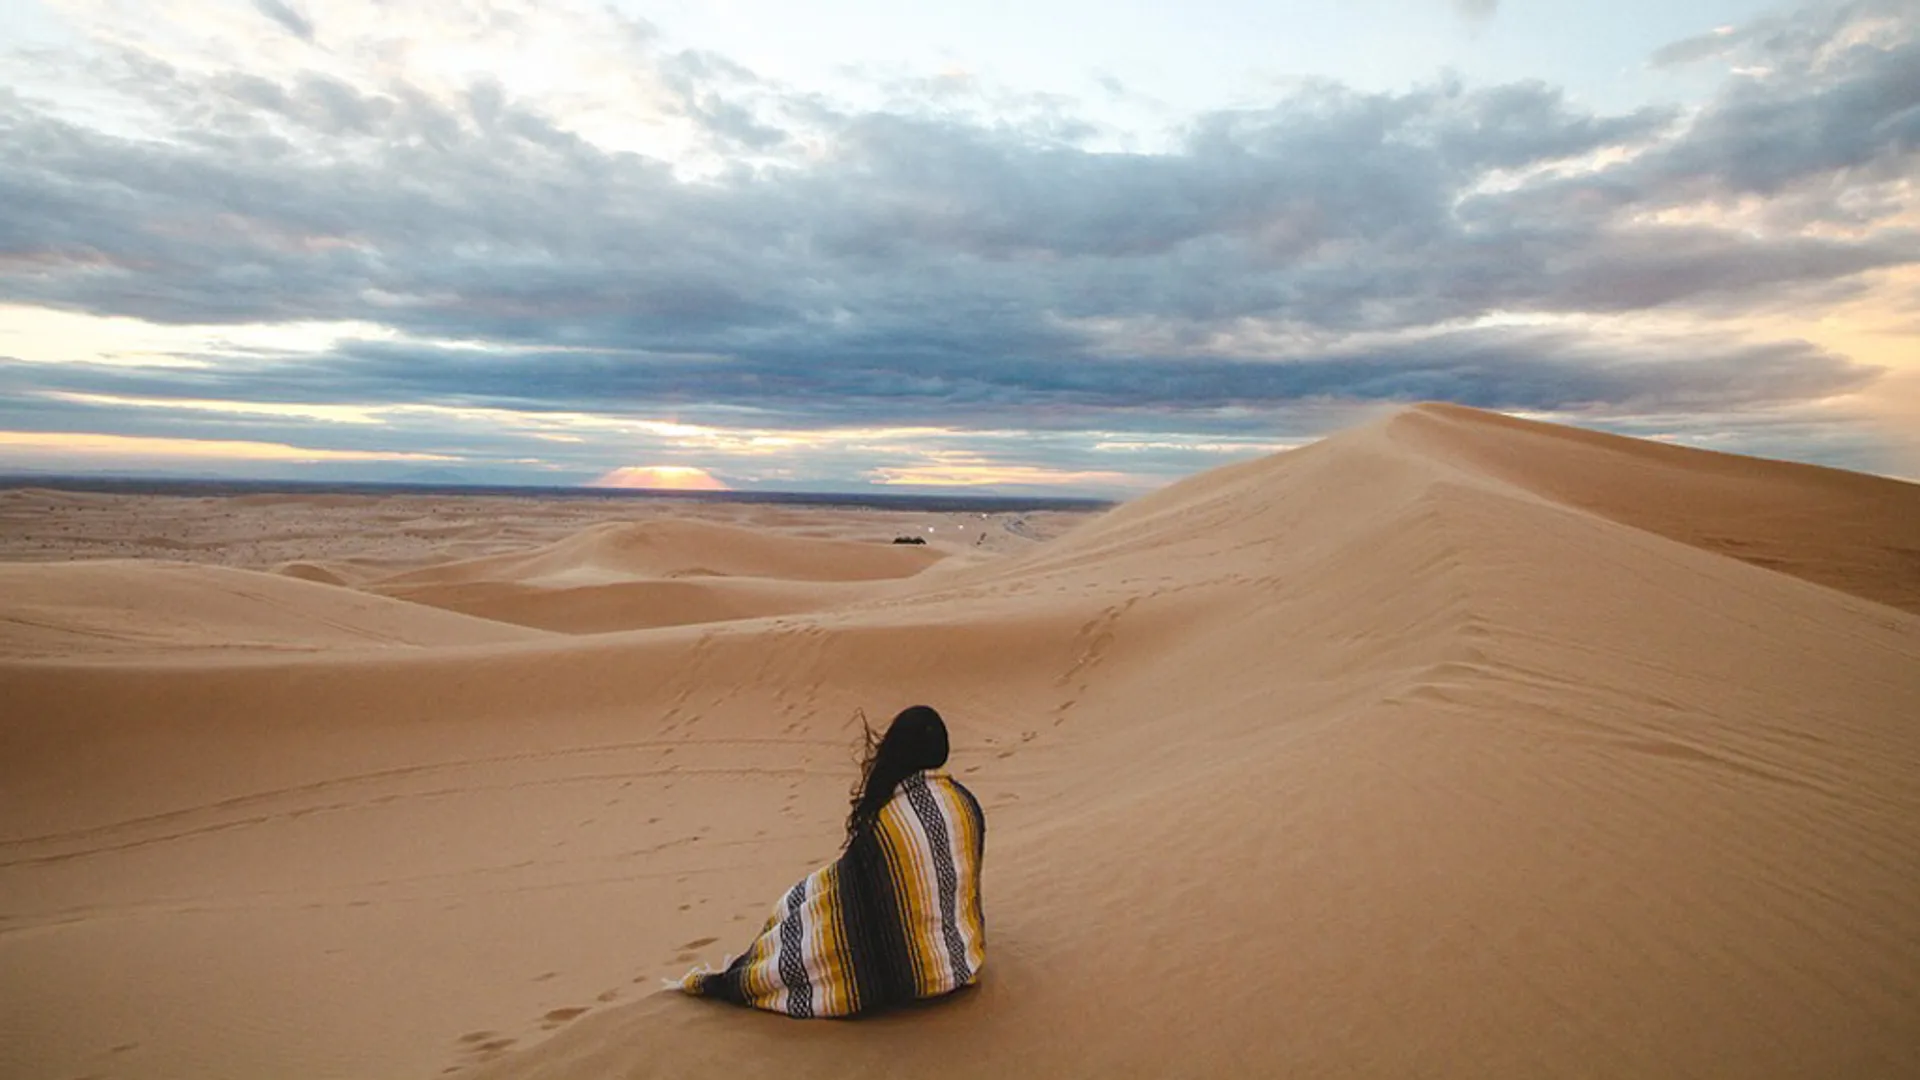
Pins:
<point x="1849" y="531"/>
<point x="118" y="607"/>
<point x="668" y="549"/>
<point x="639" y="604"/>
<point x="1436" y="748"/>
<point x="629" y="576"/>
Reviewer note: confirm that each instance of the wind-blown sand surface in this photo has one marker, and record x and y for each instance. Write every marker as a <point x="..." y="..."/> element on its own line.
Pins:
<point x="1453" y="745"/>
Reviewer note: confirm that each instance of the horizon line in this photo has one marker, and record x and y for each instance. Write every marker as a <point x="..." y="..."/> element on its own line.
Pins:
<point x="135" y="484"/>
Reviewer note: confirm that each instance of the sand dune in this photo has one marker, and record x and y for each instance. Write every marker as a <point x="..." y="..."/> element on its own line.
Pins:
<point x="1856" y="533"/>
<point x="364" y="539"/>
<point x="1448" y="746"/>
<point x="630" y="605"/>
<point x="629" y="576"/>
<point x="114" y="608"/>
<point x="619" y="551"/>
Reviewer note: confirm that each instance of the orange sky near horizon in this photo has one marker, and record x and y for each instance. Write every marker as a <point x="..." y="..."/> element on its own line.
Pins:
<point x="662" y="478"/>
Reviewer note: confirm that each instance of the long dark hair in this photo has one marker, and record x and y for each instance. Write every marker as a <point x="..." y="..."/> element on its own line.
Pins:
<point x="916" y="740"/>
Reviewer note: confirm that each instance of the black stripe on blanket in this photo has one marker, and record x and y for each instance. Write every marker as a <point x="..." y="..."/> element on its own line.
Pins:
<point x="876" y="937"/>
<point x="793" y="968"/>
<point x="923" y="808"/>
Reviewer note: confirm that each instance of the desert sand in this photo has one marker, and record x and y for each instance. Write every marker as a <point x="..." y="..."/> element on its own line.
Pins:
<point x="1451" y="745"/>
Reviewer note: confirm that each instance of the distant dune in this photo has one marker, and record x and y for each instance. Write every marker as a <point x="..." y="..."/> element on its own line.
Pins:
<point x="659" y="573"/>
<point x="630" y="605"/>
<point x="112" y="608"/>
<point x="670" y="549"/>
<point x="1451" y="745"/>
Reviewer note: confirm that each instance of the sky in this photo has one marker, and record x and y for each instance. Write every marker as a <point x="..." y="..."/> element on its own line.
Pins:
<point x="1054" y="247"/>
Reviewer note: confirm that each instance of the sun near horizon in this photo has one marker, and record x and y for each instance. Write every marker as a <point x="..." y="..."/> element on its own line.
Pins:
<point x="662" y="478"/>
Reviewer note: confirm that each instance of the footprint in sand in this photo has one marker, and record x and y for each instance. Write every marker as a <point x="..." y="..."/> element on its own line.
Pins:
<point x="689" y="952"/>
<point x="484" y="1043"/>
<point x="557" y="1017"/>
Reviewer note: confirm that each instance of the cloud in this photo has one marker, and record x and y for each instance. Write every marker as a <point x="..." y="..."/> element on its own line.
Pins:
<point x="289" y="18"/>
<point x="483" y="216"/>
<point x="1478" y="11"/>
<point x="804" y="384"/>
<point x="971" y="470"/>
<point x="1763" y="136"/>
<point x="70" y="444"/>
<point x="1797" y="41"/>
<point x="706" y="242"/>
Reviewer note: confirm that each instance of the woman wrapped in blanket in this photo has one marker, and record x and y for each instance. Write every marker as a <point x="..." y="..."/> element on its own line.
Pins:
<point x="896" y="917"/>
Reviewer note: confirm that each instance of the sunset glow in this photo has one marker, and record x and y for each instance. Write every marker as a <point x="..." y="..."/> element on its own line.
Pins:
<point x="661" y="478"/>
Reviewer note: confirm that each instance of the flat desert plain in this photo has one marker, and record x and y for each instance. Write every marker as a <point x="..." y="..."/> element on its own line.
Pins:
<point x="1453" y="745"/>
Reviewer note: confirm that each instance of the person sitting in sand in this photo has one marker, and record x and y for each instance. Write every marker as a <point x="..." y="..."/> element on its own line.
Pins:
<point x="897" y="917"/>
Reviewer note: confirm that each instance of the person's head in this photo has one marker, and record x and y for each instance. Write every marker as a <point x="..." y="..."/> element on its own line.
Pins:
<point x="916" y="740"/>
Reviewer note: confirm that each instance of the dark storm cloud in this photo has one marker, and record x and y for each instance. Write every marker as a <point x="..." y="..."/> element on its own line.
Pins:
<point x="918" y="263"/>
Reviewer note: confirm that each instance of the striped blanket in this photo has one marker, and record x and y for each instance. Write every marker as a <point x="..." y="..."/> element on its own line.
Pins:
<point x="896" y="918"/>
